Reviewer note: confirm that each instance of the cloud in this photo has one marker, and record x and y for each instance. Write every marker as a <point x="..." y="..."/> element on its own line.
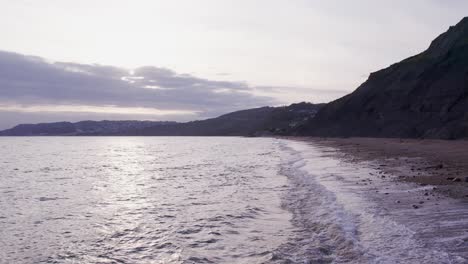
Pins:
<point x="94" y="110"/>
<point x="29" y="83"/>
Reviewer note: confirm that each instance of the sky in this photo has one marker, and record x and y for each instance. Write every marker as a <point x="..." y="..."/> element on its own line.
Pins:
<point x="181" y="60"/>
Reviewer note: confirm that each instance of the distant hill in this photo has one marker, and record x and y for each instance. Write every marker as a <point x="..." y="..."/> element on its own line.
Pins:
<point x="251" y="122"/>
<point x="423" y="96"/>
<point x="83" y="128"/>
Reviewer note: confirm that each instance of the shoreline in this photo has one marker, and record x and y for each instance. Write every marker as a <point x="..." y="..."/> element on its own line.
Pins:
<point x="442" y="164"/>
<point x="395" y="217"/>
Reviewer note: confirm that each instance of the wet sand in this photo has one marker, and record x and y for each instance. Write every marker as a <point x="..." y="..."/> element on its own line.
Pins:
<point x="439" y="163"/>
<point x="399" y="194"/>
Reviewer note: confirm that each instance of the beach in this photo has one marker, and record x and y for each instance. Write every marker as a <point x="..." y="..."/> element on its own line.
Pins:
<point x="397" y="192"/>
<point x="440" y="163"/>
<point x="225" y="200"/>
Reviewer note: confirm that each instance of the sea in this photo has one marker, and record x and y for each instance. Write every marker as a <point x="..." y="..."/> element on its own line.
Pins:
<point x="211" y="200"/>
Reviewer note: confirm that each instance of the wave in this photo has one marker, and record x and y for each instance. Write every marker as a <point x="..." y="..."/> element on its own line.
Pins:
<point x="337" y="220"/>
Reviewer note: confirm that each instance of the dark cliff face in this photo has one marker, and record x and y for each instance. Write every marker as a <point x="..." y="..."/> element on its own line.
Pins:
<point x="423" y="96"/>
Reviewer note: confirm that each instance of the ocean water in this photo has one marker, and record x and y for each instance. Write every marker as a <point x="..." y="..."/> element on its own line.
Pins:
<point x="210" y="200"/>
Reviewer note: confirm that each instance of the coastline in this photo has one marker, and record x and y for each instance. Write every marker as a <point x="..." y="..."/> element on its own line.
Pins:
<point x="439" y="163"/>
<point x="386" y="213"/>
<point x="313" y="199"/>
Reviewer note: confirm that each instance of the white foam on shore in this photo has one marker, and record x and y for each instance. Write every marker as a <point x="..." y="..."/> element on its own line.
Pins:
<point x="368" y="218"/>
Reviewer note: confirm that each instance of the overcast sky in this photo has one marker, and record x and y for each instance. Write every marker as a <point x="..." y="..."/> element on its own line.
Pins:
<point x="185" y="59"/>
